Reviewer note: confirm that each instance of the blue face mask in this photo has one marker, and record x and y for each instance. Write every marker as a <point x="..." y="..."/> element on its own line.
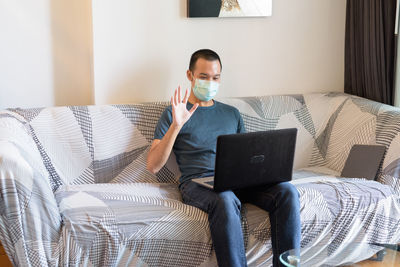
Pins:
<point x="205" y="90"/>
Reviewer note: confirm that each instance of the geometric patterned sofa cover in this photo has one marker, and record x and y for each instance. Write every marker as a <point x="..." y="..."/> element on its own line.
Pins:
<point x="74" y="189"/>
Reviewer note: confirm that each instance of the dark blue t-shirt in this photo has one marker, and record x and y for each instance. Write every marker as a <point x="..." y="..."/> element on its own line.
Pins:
<point x="195" y="145"/>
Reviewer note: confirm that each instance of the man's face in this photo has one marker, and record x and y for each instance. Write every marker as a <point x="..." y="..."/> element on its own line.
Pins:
<point x="205" y="70"/>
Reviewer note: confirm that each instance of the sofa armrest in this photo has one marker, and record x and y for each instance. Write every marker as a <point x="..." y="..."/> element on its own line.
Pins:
<point x="30" y="221"/>
<point x="390" y="173"/>
<point x="388" y="134"/>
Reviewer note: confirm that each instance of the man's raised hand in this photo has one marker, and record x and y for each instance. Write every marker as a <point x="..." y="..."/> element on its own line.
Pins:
<point x="180" y="115"/>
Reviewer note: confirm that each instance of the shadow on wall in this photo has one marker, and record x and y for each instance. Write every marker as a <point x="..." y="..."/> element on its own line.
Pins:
<point x="184" y="8"/>
<point x="71" y="29"/>
<point x="138" y="85"/>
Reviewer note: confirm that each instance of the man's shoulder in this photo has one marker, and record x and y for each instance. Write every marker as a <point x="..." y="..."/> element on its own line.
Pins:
<point x="168" y="109"/>
<point x="227" y="107"/>
<point x="167" y="113"/>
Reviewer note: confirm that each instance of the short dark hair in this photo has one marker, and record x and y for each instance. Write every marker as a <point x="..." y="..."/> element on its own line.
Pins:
<point x="207" y="54"/>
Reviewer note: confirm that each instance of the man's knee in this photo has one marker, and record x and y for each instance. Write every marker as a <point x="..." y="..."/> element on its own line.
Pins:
<point x="288" y="192"/>
<point x="227" y="201"/>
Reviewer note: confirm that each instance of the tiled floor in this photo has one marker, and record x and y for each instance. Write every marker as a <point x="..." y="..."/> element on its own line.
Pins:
<point x="4" y="261"/>
<point x="392" y="258"/>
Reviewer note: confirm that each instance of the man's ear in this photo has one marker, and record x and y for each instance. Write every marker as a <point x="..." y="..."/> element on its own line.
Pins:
<point x="189" y="75"/>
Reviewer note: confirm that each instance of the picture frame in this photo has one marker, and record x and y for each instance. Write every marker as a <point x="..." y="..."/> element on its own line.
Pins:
<point x="229" y="8"/>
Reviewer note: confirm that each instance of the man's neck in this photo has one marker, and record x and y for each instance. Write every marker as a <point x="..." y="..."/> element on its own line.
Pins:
<point x="193" y="100"/>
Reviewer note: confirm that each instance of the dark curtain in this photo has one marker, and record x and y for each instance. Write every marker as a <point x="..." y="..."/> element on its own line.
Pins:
<point x="370" y="49"/>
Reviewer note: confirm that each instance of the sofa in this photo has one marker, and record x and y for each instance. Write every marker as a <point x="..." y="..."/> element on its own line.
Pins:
<point x="74" y="189"/>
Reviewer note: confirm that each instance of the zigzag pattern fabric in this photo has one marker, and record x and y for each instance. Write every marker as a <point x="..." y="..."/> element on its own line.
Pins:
<point x="75" y="190"/>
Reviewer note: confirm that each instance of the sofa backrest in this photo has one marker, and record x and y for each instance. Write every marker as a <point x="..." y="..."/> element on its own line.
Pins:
<point x="328" y="126"/>
<point x="109" y="144"/>
<point x="286" y="111"/>
<point x="96" y="144"/>
<point x="358" y="120"/>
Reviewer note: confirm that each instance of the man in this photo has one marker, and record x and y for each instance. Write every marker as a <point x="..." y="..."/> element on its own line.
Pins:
<point x="190" y="127"/>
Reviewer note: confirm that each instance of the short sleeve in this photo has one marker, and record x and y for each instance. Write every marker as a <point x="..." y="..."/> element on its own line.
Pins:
<point x="241" y="128"/>
<point x="163" y="124"/>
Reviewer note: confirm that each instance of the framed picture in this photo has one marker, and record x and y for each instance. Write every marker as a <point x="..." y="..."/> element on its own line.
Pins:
<point x="229" y="8"/>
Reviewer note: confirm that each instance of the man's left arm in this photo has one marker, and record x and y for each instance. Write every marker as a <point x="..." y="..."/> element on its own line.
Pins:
<point x="241" y="128"/>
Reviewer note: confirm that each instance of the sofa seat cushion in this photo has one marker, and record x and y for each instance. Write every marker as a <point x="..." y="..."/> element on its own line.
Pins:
<point x="338" y="211"/>
<point x="147" y="224"/>
<point x="316" y="171"/>
<point x="132" y="223"/>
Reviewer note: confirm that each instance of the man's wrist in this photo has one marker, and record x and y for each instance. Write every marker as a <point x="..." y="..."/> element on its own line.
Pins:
<point x="176" y="127"/>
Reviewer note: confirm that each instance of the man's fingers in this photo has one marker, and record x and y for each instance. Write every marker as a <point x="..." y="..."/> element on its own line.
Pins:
<point x="185" y="99"/>
<point x="175" y="103"/>
<point x="179" y="94"/>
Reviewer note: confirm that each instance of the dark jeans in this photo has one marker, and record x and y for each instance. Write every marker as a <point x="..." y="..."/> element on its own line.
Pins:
<point x="280" y="200"/>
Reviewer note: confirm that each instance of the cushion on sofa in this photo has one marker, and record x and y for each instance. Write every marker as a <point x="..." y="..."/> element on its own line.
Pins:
<point x="149" y="222"/>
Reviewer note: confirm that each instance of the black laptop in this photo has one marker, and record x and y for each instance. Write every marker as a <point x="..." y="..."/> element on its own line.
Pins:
<point x="364" y="161"/>
<point x="252" y="159"/>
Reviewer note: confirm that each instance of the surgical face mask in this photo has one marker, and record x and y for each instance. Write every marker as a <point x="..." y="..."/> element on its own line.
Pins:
<point x="205" y="90"/>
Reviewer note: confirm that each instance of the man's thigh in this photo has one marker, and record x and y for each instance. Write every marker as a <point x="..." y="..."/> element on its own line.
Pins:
<point x="266" y="197"/>
<point x="204" y="198"/>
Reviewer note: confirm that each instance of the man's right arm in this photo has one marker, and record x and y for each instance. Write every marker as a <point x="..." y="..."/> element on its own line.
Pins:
<point x="161" y="149"/>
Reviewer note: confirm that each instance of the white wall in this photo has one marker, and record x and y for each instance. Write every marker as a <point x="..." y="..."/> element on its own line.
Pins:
<point x="25" y="61"/>
<point x="397" y="70"/>
<point x="142" y="49"/>
<point x="45" y="53"/>
<point x="397" y="77"/>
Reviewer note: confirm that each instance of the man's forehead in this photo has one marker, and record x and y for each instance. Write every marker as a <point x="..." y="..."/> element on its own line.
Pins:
<point x="207" y="67"/>
<point x="207" y="74"/>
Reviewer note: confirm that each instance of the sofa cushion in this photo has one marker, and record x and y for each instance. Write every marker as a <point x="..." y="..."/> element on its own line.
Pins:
<point x="277" y="112"/>
<point x="140" y="223"/>
<point x="148" y="222"/>
<point x="351" y="126"/>
<point x="140" y="220"/>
